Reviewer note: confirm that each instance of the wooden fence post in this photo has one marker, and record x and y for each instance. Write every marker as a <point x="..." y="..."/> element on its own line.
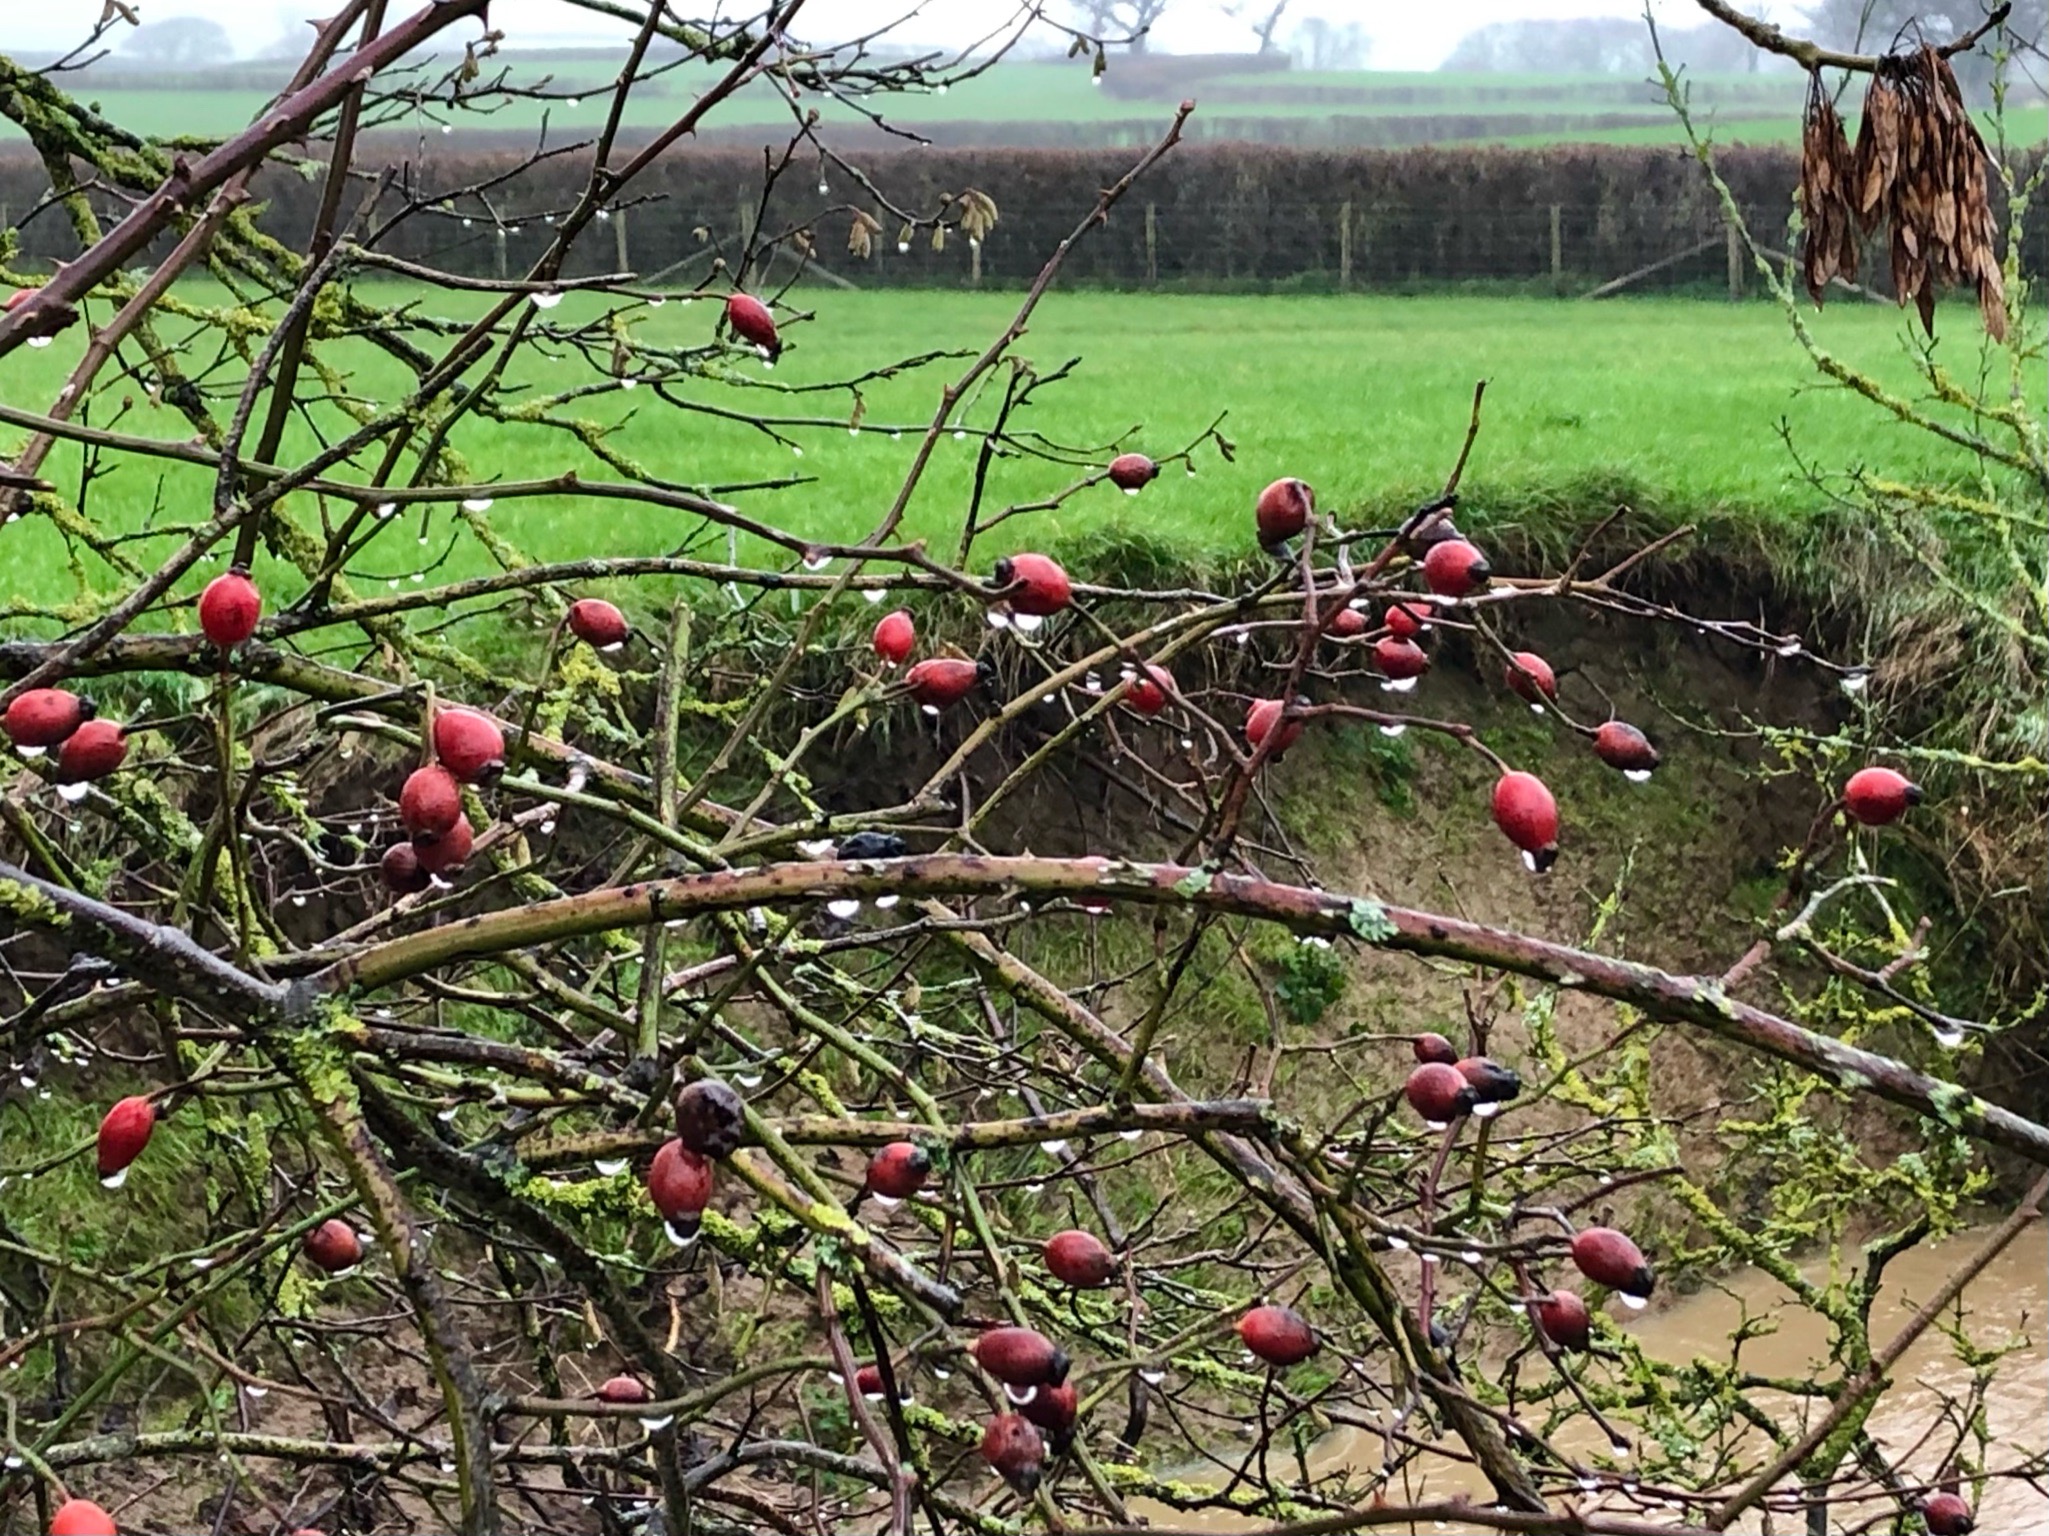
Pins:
<point x="498" y="254"/>
<point x="1152" y="243"/>
<point x="1344" y="245"/>
<point x="975" y="263"/>
<point x="619" y="240"/>
<point x="1557" y="250"/>
<point x="1735" y="248"/>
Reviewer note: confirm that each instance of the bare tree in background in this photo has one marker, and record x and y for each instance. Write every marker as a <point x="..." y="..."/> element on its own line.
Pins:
<point x="1264" y="19"/>
<point x="1320" y="43"/>
<point x="1119" y="21"/>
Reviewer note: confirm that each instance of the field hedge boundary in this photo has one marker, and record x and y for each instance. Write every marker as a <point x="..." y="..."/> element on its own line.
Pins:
<point x="1222" y="215"/>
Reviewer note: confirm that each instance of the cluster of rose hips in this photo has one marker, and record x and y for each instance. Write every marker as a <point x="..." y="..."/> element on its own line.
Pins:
<point x="1031" y="1370"/>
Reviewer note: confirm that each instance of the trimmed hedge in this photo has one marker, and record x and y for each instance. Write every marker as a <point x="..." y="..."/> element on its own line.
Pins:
<point x="1219" y="215"/>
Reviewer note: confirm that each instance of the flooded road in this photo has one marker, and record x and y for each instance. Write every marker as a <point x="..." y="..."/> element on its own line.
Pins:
<point x="2007" y="1302"/>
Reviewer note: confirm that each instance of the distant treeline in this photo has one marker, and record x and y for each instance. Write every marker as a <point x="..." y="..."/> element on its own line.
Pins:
<point x="1223" y="215"/>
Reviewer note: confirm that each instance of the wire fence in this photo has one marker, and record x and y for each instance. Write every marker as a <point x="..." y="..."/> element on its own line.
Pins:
<point x="1569" y="220"/>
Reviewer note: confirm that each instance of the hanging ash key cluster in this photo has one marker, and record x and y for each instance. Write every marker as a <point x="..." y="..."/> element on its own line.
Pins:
<point x="1919" y="170"/>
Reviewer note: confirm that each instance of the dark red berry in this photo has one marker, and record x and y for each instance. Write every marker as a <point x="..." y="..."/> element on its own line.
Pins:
<point x="1405" y="621"/>
<point x="1623" y="746"/>
<point x="1150" y="689"/>
<point x="869" y="1383"/>
<point x="710" y="1119"/>
<point x="1132" y="471"/>
<point x="1262" y="717"/>
<point x="1454" y="568"/>
<point x="1347" y="622"/>
<point x="1400" y="659"/>
<point x="1055" y="1409"/>
<point x="403" y="875"/>
<point x="753" y="324"/>
<point x="1079" y="1258"/>
<point x="940" y="681"/>
<point x="449" y="851"/>
<point x="333" y="1246"/>
<point x="1948" y="1515"/>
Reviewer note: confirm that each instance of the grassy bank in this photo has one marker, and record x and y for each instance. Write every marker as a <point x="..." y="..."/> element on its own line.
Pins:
<point x="1673" y="405"/>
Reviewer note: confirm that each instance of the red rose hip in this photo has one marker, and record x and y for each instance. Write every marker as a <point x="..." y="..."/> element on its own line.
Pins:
<point x="1621" y="745"/>
<point x="1608" y="1258"/>
<point x="597" y="623"/>
<point x="1563" y="1318"/>
<point x="679" y="1183"/>
<point x="333" y="1247"/>
<point x="1454" y="568"/>
<point x="1278" y="1335"/>
<point x="449" y="851"/>
<point x="469" y="744"/>
<point x="91" y="752"/>
<point x="42" y="717"/>
<point x="1132" y="472"/>
<point x="1079" y="1259"/>
<point x="402" y="871"/>
<point x="1400" y="661"/>
<point x="1012" y="1446"/>
<point x="1878" y="796"/>
<point x="1439" y="1093"/>
<point x="938" y="682"/>
<point x="1055" y="1410"/>
<point x="894" y="636"/>
<point x="1020" y="1357"/>
<point x="1530" y="678"/>
<point x="1405" y="621"/>
<point x="1283" y="510"/>
<point x="899" y="1170"/>
<point x="1948" y="1515"/>
<point x="1528" y="817"/>
<point x="229" y="608"/>
<point x="124" y="1132"/>
<point x="1033" y="585"/>
<point x="753" y="324"/>
<point x="430" y="803"/>
<point x="82" y="1517"/>
<point x="1150" y="689"/>
<point x="1260" y="721"/>
<point x="1435" y="1048"/>
<point x="623" y="1390"/>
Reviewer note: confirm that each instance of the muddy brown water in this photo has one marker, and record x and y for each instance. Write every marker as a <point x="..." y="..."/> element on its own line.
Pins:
<point x="2007" y="1302"/>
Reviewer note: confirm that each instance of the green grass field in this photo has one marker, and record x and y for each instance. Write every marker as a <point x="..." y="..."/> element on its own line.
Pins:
<point x="1671" y="403"/>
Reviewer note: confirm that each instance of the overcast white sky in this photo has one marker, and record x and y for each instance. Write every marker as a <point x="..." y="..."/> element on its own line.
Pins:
<point x="1406" y="34"/>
